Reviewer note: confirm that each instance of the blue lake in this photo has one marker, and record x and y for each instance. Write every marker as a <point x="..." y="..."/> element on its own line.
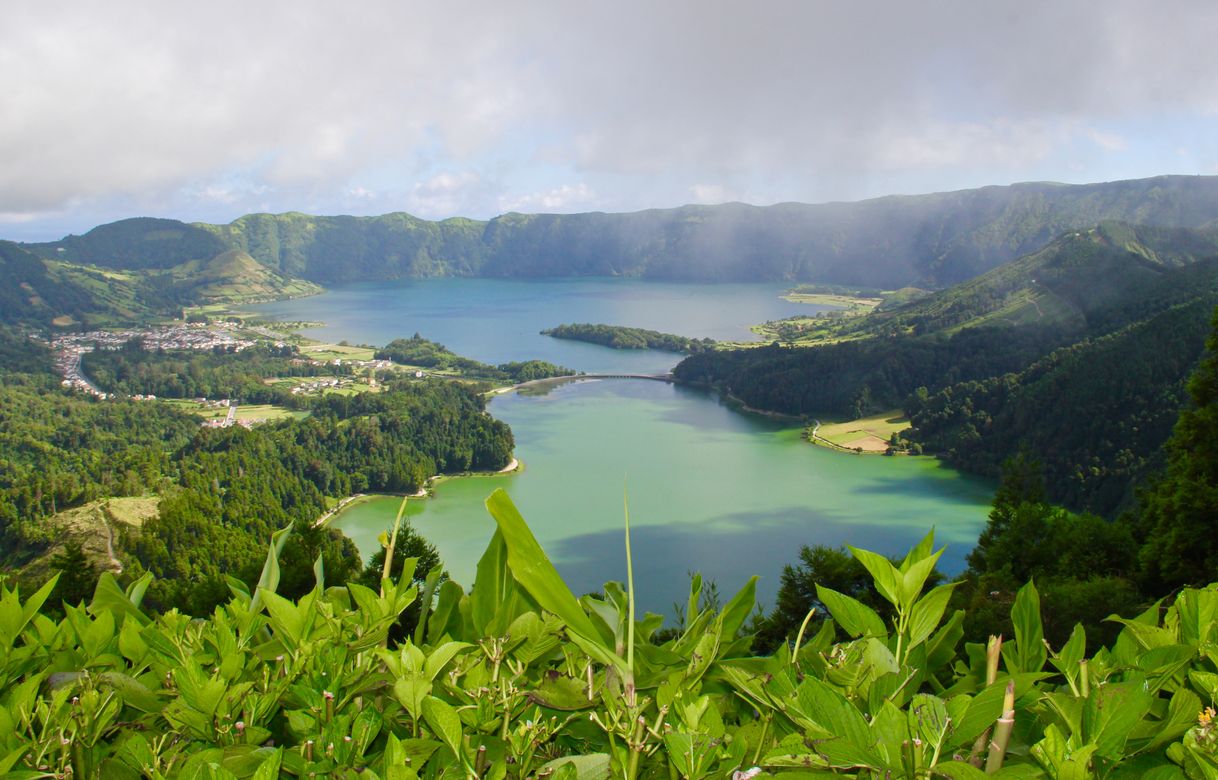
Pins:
<point x="710" y="489"/>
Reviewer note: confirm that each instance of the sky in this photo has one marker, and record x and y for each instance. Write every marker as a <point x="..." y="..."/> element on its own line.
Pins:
<point x="207" y="111"/>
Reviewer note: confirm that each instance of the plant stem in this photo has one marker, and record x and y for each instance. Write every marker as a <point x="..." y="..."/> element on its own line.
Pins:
<point x="635" y="746"/>
<point x="993" y="652"/>
<point x="1002" y="731"/>
<point x="630" y="692"/>
<point x="799" y="638"/>
<point x="393" y="540"/>
<point x="765" y="727"/>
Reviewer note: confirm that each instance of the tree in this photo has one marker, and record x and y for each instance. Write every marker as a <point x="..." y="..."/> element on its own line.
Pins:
<point x="1020" y="499"/>
<point x="1081" y="563"/>
<point x="77" y="574"/>
<point x="831" y="567"/>
<point x="409" y="544"/>
<point x="1177" y="516"/>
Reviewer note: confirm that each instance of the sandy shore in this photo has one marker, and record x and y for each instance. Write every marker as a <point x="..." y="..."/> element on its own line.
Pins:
<point x="341" y="505"/>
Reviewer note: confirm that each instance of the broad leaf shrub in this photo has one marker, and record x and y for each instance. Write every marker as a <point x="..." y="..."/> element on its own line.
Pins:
<point x="518" y="678"/>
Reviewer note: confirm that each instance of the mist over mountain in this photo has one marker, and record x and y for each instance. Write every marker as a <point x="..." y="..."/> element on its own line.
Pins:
<point x="930" y="241"/>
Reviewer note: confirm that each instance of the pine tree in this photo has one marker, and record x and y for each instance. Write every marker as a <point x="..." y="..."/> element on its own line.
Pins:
<point x="77" y="574"/>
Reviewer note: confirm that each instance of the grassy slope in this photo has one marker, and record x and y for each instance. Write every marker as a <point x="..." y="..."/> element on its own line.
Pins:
<point x="870" y="433"/>
<point x="235" y="277"/>
<point x="59" y="291"/>
<point x="92" y="525"/>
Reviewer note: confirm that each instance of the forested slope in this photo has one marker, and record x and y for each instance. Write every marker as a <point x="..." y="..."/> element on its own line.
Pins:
<point x="222" y="491"/>
<point x="1078" y="352"/>
<point x="1094" y="414"/>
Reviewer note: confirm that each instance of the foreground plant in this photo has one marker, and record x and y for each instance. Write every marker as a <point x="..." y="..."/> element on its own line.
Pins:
<point x="517" y="678"/>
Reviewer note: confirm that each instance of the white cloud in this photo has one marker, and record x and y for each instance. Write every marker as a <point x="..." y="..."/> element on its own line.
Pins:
<point x="708" y="193"/>
<point x="948" y="145"/>
<point x="160" y="105"/>
<point x="1109" y="142"/>
<point x="564" y="198"/>
<point x="445" y="194"/>
<point x="13" y="218"/>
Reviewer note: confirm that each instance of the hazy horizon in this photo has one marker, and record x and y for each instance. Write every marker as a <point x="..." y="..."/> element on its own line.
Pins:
<point x="477" y="110"/>
<point x="56" y="237"/>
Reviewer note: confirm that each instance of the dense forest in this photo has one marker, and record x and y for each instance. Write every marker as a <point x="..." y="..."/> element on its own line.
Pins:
<point x="1096" y="412"/>
<point x="622" y="337"/>
<point x="1078" y="352"/>
<point x="418" y="351"/>
<point x="59" y="450"/>
<point x="237" y="486"/>
<point x="1086" y="567"/>
<point x="222" y="491"/>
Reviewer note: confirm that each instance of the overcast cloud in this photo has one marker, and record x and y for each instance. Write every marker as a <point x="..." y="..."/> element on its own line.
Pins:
<point x="123" y="109"/>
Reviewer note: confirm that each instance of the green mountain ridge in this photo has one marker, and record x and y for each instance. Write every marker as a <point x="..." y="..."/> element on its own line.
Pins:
<point x="1068" y="283"/>
<point x="929" y="241"/>
<point x="42" y="291"/>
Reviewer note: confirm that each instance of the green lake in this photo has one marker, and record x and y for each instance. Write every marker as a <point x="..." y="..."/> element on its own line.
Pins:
<point x="710" y="489"/>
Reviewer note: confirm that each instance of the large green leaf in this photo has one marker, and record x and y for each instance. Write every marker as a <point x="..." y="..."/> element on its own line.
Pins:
<point x="1111" y="714"/>
<point x="532" y="569"/>
<point x="108" y="596"/>
<point x="851" y="614"/>
<point x="851" y="744"/>
<point x="594" y="766"/>
<point x="560" y="692"/>
<point x="446" y="617"/>
<point x="738" y="609"/>
<point x="1030" y="653"/>
<point x="269" y="580"/>
<point x="444" y="722"/>
<point x="910" y="582"/>
<point x="886" y="576"/>
<point x="927" y="613"/>
<point x="492" y="583"/>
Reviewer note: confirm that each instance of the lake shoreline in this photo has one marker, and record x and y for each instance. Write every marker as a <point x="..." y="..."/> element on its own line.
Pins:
<point x="514" y="466"/>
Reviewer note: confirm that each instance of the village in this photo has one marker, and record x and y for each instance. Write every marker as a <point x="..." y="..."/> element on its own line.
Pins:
<point x="219" y="413"/>
<point x="197" y="336"/>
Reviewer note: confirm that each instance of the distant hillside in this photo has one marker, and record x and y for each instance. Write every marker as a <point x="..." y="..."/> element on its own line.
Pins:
<point x="138" y="243"/>
<point x="1094" y="414"/>
<point x="34" y="291"/>
<point x="55" y="292"/>
<point x="1076" y="278"/>
<point x="924" y="240"/>
<point x="231" y="277"/>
